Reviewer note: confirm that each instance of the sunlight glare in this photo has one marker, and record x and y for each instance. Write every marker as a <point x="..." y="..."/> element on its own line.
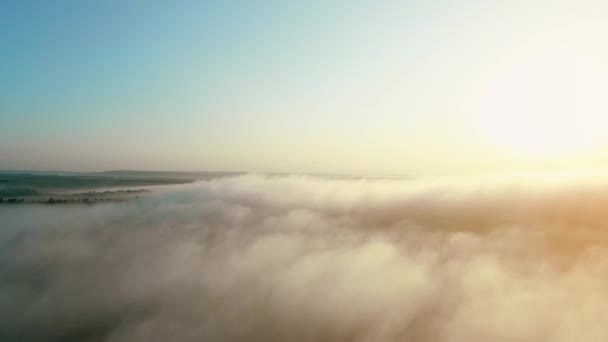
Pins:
<point x="546" y="103"/>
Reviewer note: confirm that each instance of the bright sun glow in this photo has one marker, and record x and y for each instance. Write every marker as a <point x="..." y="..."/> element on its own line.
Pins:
<point x="547" y="103"/>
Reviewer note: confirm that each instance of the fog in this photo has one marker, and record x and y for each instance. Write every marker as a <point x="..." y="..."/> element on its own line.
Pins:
<point x="297" y="258"/>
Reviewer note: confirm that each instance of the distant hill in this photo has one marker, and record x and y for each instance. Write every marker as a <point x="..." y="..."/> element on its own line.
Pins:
<point x="188" y="175"/>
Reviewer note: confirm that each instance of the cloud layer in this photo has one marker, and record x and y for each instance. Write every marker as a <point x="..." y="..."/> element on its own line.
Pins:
<point x="259" y="258"/>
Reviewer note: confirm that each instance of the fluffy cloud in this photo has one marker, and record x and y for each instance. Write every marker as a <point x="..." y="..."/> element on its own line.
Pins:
<point x="265" y="258"/>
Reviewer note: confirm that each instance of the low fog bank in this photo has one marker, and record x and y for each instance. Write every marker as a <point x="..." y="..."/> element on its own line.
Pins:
<point x="257" y="258"/>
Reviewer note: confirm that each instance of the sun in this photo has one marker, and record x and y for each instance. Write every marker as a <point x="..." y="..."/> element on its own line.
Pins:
<point x="546" y="104"/>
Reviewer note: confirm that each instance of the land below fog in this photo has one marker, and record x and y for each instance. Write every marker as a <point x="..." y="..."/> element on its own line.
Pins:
<point x="64" y="187"/>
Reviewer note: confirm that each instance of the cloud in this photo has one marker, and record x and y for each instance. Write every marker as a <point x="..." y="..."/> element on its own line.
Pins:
<point x="269" y="258"/>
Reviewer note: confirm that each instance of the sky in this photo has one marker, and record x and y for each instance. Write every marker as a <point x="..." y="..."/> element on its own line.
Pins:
<point x="377" y="87"/>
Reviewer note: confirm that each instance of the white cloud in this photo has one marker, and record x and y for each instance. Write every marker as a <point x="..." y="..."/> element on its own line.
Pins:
<point x="257" y="258"/>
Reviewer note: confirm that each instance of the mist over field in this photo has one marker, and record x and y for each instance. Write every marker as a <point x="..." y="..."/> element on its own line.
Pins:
<point x="301" y="258"/>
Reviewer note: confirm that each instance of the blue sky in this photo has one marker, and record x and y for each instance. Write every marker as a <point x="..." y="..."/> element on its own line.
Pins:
<point x="296" y="86"/>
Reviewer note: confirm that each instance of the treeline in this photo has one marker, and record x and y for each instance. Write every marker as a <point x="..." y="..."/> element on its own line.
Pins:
<point x="11" y="200"/>
<point x="52" y="200"/>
